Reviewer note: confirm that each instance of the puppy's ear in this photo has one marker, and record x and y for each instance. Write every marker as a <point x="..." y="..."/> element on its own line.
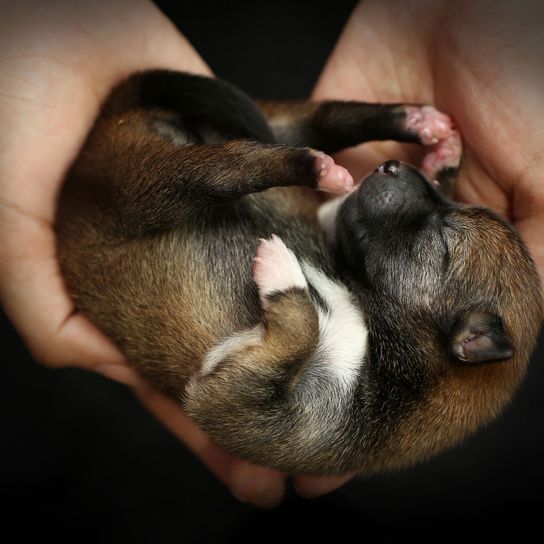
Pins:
<point x="479" y="337"/>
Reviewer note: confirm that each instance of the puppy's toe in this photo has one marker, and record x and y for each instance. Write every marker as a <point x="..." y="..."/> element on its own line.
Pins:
<point x="331" y="177"/>
<point x="276" y="269"/>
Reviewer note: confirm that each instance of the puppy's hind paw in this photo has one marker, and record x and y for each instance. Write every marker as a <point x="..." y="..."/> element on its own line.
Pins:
<point x="276" y="269"/>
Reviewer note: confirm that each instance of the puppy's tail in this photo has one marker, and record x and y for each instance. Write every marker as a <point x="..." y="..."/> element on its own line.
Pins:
<point x="197" y="97"/>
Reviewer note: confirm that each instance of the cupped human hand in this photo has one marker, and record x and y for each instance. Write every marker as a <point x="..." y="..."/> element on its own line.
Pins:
<point x="59" y="61"/>
<point x="480" y="62"/>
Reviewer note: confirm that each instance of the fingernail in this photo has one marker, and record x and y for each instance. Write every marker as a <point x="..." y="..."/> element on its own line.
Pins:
<point x="249" y="485"/>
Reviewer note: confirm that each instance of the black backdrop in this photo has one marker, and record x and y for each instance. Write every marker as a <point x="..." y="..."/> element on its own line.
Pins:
<point x="81" y="461"/>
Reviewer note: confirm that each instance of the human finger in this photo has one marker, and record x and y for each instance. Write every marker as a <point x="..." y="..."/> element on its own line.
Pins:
<point x="261" y="486"/>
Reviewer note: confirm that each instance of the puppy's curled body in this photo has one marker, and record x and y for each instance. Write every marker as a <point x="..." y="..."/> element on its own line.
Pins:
<point x="389" y="334"/>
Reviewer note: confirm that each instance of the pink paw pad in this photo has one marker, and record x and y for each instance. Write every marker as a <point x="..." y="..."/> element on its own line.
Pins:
<point x="445" y="154"/>
<point x="276" y="268"/>
<point x="332" y="178"/>
<point x="430" y="124"/>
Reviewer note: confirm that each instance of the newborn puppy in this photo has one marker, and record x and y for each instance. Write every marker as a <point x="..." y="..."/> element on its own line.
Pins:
<point x="367" y="335"/>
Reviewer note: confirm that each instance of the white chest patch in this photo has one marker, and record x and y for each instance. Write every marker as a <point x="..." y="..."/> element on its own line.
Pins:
<point x="326" y="216"/>
<point x="343" y="334"/>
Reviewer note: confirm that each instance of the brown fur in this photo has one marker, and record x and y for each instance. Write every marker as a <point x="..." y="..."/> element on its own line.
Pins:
<point x="156" y="240"/>
<point x="487" y="254"/>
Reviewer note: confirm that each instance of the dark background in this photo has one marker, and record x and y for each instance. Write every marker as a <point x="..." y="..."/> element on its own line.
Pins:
<point x="81" y="461"/>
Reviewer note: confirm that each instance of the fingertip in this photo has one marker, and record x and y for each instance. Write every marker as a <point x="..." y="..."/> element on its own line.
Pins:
<point x="312" y="487"/>
<point x="260" y="486"/>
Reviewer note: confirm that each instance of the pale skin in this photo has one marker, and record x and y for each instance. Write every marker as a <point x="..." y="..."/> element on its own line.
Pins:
<point x="478" y="61"/>
<point x="59" y="60"/>
<point x="58" y="63"/>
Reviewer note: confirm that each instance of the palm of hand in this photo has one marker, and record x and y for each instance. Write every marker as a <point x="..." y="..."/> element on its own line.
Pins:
<point x="482" y="69"/>
<point x="58" y="65"/>
<point x="479" y="62"/>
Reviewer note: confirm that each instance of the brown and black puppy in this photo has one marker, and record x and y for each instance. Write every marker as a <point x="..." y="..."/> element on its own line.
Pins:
<point x="367" y="335"/>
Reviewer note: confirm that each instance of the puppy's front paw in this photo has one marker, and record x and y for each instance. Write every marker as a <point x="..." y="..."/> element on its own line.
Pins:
<point x="436" y="129"/>
<point x="445" y="155"/>
<point x="428" y="123"/>
<point x="331" y="177"/>
<point x="276" y="269"/>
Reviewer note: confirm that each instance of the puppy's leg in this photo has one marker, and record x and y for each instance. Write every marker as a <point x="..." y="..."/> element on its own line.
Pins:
<point x="289" y="333"/>
<point x="334" y="125"/>
<point x="153" y="183"/>
<point x="259" y="368"/>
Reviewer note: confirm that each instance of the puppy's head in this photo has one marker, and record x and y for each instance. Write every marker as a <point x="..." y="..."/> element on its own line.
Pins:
<point x="453" y="305"/>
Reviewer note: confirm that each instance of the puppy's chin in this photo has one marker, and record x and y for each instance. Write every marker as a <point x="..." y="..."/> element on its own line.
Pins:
<point x="326" y="215"/>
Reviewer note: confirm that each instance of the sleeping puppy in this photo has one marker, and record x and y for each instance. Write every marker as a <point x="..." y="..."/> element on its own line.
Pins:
<point x="362" y="335"/>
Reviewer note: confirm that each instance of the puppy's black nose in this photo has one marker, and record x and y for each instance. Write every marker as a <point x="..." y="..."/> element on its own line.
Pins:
<point x="390" y="167"/>
<point x="395" y="187"/>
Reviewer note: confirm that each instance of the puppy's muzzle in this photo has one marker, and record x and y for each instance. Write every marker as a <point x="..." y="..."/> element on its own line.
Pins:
<point x="397" y="188"/>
